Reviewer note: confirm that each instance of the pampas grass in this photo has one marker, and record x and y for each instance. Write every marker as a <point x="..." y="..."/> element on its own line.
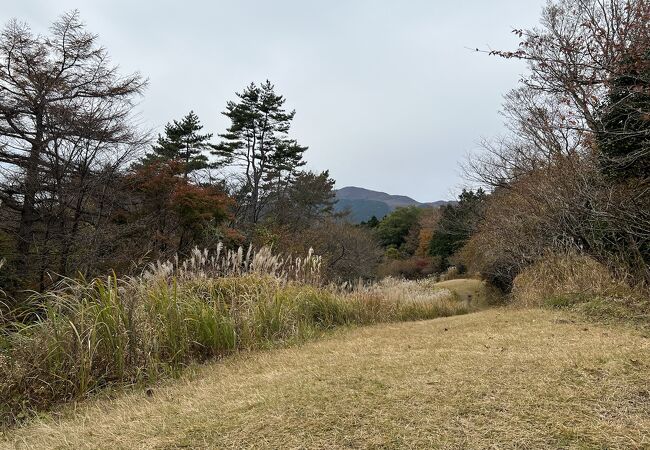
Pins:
<point x="89" y="334"/>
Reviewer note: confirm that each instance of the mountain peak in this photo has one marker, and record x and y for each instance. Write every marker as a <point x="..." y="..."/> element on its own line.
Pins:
<point x="364" y="203"/>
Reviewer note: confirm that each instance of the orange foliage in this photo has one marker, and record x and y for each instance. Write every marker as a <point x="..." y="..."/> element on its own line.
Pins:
<point x="176" y="208"/>
<point x="428" y="222"/>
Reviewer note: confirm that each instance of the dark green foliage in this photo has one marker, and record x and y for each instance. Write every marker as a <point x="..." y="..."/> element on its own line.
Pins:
<point x="183" y="143"/>
<point x="456" y="225"/>
<point x="373" y="222"/>
<point x="624" y="139"/>
<point x="624" y="145"/>
<point x="258" y="141"/>
<point x="394" y="228"/>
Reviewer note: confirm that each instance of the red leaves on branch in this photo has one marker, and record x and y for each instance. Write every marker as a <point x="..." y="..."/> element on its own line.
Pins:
<point x="177" y="208"/>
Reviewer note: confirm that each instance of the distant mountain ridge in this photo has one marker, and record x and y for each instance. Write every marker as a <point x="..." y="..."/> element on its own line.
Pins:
<point x="364" y="203"/>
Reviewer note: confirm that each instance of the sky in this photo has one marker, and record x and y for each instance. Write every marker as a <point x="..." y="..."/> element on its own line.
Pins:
<point x="388" y="94"/>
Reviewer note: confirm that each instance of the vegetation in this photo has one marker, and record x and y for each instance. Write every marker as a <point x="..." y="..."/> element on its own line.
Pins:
<point x="456" y="225"/>
<point x="570" y="177"/>
<point x="102" y="283"/>
<point x="579" y="283"/>
<point x="476" y="381"/>
<point x="258" y="141"/>
<point x="90" y="334"/>
<point x="83" y="191"/>
<point x="66" y="128"/>
<point x="183" y="143"/>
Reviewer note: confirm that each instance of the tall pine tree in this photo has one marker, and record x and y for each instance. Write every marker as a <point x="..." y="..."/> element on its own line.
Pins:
<point x="624" y="140"/>
<point x="258" y="142"/>
<point x="182" y="142"/>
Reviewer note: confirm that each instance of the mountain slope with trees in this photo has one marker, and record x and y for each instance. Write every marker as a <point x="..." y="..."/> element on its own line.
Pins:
<point x="362" y="204"/>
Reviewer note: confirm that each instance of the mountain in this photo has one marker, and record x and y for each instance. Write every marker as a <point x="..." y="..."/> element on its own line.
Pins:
<point x="365" y="203"/>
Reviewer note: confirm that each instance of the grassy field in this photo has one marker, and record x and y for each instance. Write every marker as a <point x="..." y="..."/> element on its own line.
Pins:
<point x="500" y="378"/>
<point x="101" y="334"/>
<point x="468" y="290"/>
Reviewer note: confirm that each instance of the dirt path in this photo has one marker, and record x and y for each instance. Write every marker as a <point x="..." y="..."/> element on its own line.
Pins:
<point x="498" y="378"/>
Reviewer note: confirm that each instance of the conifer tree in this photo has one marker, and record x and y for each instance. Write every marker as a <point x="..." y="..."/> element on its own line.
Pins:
<point x="182" y="142"/>
<point x="624" y="140"/>
<point x="258" y="142"/>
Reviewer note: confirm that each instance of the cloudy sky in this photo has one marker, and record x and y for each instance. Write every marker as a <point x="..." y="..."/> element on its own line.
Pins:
<point x="387" y="93"/>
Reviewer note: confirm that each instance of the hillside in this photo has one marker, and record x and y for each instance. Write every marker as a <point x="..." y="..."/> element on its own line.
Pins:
<point x="500" y="378"/>
<point x="365" y="203"/>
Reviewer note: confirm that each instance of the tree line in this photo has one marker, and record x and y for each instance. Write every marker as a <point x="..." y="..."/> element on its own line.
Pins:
<point x="83" y="191"/>
<point x="572" y="173"/>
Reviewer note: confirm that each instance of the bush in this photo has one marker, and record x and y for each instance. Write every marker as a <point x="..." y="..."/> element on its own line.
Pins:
<point x="348" y="252"/>
<point x="558" y="276"/>
<point x="576" y="281"/>
<point x="411" y="268"/>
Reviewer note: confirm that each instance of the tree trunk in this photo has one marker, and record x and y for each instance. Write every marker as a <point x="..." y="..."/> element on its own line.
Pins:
<point x="28" y="213"/>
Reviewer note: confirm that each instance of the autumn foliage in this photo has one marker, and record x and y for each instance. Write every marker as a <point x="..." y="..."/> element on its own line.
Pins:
<point x="178" y="210"/>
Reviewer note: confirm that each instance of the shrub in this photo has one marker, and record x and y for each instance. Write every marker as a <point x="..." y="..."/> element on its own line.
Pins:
<point x="411" y="268"/>
<point x="561" y="275"/>
<point x="576" y="281"/>
<point x="348" y="252"/>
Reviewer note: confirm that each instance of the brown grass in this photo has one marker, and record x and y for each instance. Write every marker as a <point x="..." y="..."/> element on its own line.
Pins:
<point x="470" y="290"/>
<point x="495" y="379"/>
<point x="555" y="275"/>
<point x="99" y="334"/>
<point x="580" y="283"/>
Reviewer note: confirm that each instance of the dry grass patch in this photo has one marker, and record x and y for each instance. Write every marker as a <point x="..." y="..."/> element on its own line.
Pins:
<point x="582" y="284"/>
<point x="470" y="290"/>
<point x="495" y="379"/>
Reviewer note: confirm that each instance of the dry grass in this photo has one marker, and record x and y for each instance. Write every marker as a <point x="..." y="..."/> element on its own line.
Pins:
<point x="495" y="379"/>
<point x="95" y="334"/>
<point x="582" y="284"/>
<point x="556" y="275"/>
<point x="471" y="290"/>
<point x="409" y="291"/>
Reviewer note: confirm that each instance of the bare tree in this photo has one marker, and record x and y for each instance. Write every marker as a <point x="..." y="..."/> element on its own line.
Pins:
<point x="65" y="120"/>
<point x="569" y="123"/>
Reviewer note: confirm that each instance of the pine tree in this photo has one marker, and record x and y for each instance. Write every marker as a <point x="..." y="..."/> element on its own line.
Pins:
<point x="624" y="141"/>
<point x="457" y="224"/>
<point x="182" y="142"/>
<point x="258" y="142"/>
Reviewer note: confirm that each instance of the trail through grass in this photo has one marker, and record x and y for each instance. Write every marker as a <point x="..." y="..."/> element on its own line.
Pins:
<point x="500" y="378"/>
<point x="470" y="290"/>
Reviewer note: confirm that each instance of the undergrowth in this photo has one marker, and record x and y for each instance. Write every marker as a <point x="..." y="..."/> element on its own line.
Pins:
<point x="581" y="284"/>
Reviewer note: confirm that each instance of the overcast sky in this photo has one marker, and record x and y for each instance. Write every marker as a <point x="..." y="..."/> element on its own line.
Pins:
<point x="387" y="94"/>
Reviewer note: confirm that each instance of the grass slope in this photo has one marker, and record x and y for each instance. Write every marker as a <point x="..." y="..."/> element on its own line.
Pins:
<point x="498" y="378"/>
